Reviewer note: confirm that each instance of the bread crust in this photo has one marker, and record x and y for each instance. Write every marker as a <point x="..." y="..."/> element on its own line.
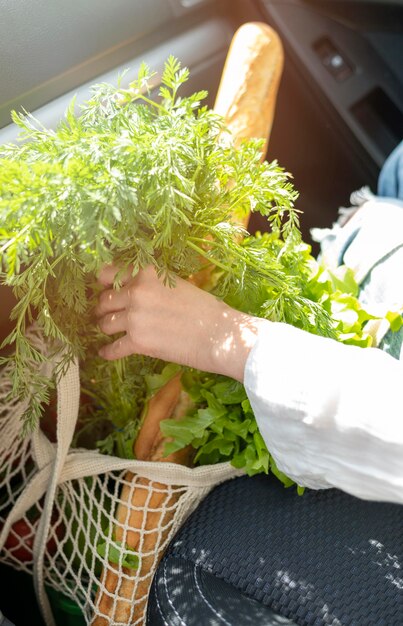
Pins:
<point x="247" y="93"/>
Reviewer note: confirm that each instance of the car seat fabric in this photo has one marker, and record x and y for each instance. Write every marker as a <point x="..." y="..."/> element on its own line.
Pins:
<point x="185" y="593"/>
<point x="322" y="558"/>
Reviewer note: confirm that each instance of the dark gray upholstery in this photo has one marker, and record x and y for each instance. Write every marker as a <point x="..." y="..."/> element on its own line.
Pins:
<point x="321" y="558"/>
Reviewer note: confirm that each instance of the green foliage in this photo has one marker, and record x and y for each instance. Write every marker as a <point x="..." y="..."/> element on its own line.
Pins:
<point x="139" y="181"/>
<point x="134" y="181"/>
<point x="119" y="553"/>
<point x="224" y="429"/>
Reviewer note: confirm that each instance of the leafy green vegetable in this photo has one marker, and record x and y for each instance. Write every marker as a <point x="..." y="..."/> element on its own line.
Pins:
<point x="137" y="182"/>
<point x="118" y="553"/>
<point x="224" y="430"/>
<point x="395" y="320"/>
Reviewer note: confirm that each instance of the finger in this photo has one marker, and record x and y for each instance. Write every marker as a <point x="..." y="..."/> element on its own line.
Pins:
<point x="108" y="274"/>
<point x="118" y="349"/>
<point x="111" y="300"/>
<point x="113" y="322"/>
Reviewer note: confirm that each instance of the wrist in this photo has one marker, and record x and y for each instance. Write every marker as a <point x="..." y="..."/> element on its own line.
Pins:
<point x="236" y="334"/>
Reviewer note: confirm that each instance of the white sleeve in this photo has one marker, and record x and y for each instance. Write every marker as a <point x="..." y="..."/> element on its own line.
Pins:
<point x="331" y="414"/>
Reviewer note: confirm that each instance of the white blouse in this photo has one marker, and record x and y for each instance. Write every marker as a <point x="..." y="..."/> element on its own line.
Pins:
<point x="331" y="414"/>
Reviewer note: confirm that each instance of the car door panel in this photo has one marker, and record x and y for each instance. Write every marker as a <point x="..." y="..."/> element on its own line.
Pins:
<point x="50" y="51"/>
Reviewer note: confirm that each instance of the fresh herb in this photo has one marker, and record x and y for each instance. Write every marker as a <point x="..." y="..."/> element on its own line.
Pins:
<point x="136" y="182"/>
<point x="139" y="181"/>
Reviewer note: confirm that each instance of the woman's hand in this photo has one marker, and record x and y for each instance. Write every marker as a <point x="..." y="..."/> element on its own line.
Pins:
<point x="181" y="324"/>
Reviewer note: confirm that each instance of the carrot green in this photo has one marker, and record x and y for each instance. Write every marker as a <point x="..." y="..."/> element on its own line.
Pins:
<point x="137" y="181"/>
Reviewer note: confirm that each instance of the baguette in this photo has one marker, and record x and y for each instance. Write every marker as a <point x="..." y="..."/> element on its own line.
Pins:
<point x="247" y="93"/>
<point x="246" y="99"/>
